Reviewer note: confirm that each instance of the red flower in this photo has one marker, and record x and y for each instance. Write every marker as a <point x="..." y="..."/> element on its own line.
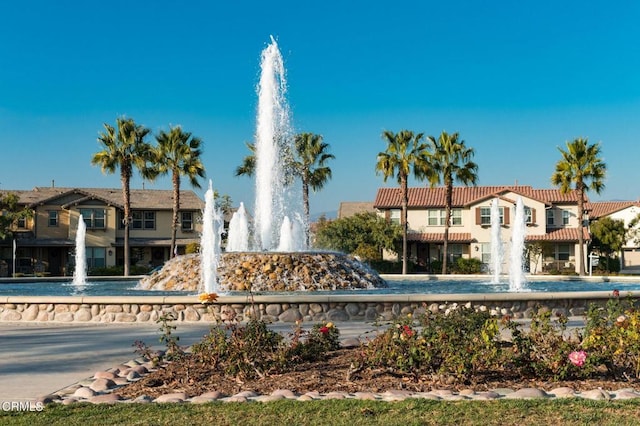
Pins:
<point x="323" y="329"/>
<point x="616" y="293"/>
<point x="407" y="331"/>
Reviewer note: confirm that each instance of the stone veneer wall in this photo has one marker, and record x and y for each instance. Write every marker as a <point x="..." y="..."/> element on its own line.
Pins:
<point x="288" y="309"/>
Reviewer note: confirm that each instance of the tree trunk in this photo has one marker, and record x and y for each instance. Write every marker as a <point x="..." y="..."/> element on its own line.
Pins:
<point x="176" y="207"/>
<point x="580" y="188"/>
<point x="305" y="201"/>
<point x="404" y="221"/>
<point x="126" y="193"/>
<point x="447" y="220"/>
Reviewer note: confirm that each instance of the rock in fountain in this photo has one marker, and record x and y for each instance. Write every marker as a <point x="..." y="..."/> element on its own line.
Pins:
<point x="80" y="270"/>
<point x="258" y="272"/>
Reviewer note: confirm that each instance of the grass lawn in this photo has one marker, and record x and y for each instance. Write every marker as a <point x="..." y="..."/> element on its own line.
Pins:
<point x="340" y="412"/>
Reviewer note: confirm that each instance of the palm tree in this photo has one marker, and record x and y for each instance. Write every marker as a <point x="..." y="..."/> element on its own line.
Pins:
<point x="248" y="166"/>
<point x="581" y="166"/>
<point x="451" y="163"/>
<point x="178" y="153"/>
<point x="311" y="151"/>
<point x="126" y="149"/>
<point x="405" y="153"/>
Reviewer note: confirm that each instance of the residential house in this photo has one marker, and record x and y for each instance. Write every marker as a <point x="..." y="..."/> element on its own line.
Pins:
<point x="552" y="224"/>
<point x="625" y="211"/>
<point x="45" y="242"/>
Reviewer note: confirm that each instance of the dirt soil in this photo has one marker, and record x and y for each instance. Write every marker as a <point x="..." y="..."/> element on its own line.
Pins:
<point x="335" y="373"/>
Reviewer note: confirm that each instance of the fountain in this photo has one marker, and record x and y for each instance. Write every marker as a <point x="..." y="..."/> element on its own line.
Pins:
<point x="518" y="233"/>
<point x="80" y="271"/>
<point x="497" y="252"/>
<point x="275" y="195"/>
<point x="279" y="261"/>
<point x="238" y="238"/>
<point x="210" y="243"/>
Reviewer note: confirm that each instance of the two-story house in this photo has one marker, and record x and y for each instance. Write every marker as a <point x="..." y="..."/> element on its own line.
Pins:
<point x="45" y="242"/>
<point x="552" y="223"/>
<point x="625" y="211"/>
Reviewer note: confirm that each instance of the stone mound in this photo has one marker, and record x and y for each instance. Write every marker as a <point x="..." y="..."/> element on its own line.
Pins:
<point x="269" y="271"/>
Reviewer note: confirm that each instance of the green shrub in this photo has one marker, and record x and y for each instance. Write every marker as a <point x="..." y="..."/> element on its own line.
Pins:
<point x="612" y="338"/>
<point x="457" y="343"/>
<point x="467" y="266"/>
<point x="543" y="350"/>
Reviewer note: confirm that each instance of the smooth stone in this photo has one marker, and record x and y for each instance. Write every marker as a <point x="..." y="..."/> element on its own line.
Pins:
<point x="563" y="392"/>
<point x="335" y="395"/>
<point x="104" y="375"/>
<point x="85" y="393"/>
<point x="202" y="400"/>
<point x="286" y="393"/>
<point x="595" y="394"/>
<point x="626" y="394"/>
<point x="503" y="391"/>
<point x="488" y="395"/>
<point x="247" y="394"/>
<point x="101" y="385"/>
<point x="467" y="392"/>
<point x="108" y="398"/>
<point x="304" y="398"/>
<point x="132" y="375"/>
<point x="441" y="392"/>
<point x="269" y="398"/>
<point x="47" y="399"/>
<point x="171" y="397"/>
<point x="212" y="394"/>
<point x="144" y="399"/>
<point x="351" y="342"/>
<point x="235" y="398"/>
<point x="397" y="392"/>
<point x="365" y="396"/>
<point x="527" y="393"/>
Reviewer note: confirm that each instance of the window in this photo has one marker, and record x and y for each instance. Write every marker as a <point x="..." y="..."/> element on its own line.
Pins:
<point x="486" y="253"/>
<point x="93" y="218"/>
<point x="437" y="217"/>
<point x="455" y="251"/>
<point x="22" y="222"/>
<point x="96" y="257"/>
<point x="143" y="220"/>
<point x="456" y="217"/>
<point x="528" y="215"/>
<point x="564" y="251"/>
<point x="187" y="221"/>
<point x="53" y="218"/>
<point x="550" y="217"/>
<point x="485" y="215"/>
<point x="565" y="217"/>
<point x="395" y="215"/>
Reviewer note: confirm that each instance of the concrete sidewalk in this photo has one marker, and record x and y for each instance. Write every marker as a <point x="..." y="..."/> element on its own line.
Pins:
<point x="38" y="359"/>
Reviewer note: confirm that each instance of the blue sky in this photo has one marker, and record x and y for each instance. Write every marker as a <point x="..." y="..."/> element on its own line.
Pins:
<point x="515" y="79"/>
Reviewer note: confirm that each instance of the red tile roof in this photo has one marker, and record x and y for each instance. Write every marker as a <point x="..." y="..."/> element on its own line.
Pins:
<point x="560" y="235"/>
<point x="463" y="196"/>
<point x="604" y="208"/>
<point x="435" y="237"/>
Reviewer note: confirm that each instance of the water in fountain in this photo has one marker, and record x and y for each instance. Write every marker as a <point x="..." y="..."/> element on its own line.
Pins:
<point x="238" y="238"/>
<point x="275" y="193"/>
<point x="516" y="270"/>
<point x="210" y="243"/>
<point x="80" y="271"/>
<point x="497" y="252"/>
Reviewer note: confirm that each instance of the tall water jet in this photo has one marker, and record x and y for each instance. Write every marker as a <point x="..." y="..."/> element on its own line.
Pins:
<point x="238" y="238"/>
<point x="497" y="251"/>
<point x="516" y="270"/>
<point x="274" y="148"/>
<point x="80" y="271"/>
<point x="210" y="243"/>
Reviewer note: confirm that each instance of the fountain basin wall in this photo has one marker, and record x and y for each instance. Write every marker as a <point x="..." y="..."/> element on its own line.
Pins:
<point x="307" y="307"/>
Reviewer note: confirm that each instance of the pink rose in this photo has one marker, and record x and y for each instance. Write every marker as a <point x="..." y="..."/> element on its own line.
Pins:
<point x="578" y="358"/>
